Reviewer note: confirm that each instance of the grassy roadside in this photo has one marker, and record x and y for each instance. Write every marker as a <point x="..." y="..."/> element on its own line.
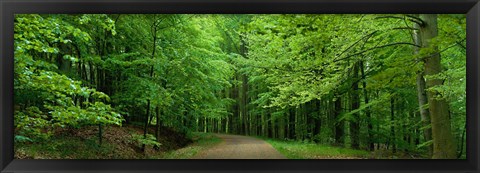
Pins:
<point x="298" y="150"/>
<point x="83" y="144"/>
<point x="117" y="143"/>
<point x="201" y="141"/>
<point x="69" y="148"/>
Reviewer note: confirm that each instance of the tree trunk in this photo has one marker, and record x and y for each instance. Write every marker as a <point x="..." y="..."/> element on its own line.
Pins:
<point x="392" y="126"/>
<point x="355" y="104"/>
<point x="157" y="127"/>
<point x="154" y="39"/>
<point x="236" y="114"/>
<point x="317" y="121"/>
<point x="443" y="141"/>
<point x="421" y="93"/>
<point x="145" y="127"/>
<point x="367" y="110"/>
<point x="339" y="124"/>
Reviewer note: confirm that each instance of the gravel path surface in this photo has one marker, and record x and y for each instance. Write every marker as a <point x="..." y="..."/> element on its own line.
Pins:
<point x="240" y="147"/>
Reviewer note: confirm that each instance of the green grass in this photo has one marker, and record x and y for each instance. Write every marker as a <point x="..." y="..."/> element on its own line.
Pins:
<point x="202" y="141"/>
<point x="299" y="150"/>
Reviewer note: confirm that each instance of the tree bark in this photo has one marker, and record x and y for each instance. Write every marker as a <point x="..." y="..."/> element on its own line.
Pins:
<point x="154" y="39"/>
<point x="355" y="104"/>
<point x="339" y="140"/>
<point x="421" y="93"/>
<point x="392" y="126"/>
<point x="145" y="127"/>
<point x="443" y="141"/>
<point x="367" y="110"/>
<point x="157" y="127"/>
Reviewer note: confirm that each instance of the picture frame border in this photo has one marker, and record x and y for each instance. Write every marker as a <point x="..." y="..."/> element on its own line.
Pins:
<point x="8" y="9"/>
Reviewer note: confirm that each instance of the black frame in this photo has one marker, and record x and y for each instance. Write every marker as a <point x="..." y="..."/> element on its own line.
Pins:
<point x="10" y="7"/>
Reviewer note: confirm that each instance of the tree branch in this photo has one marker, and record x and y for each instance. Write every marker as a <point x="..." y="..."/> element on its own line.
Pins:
<point x="409" y="28"/>
<point x="356" y="42"/>
<point x="412" y="19"/>
<point x="461" y="45"/>
<point x="376" y="47"/>
<point x="419" y="21"/>
<point x="437" y="53"/>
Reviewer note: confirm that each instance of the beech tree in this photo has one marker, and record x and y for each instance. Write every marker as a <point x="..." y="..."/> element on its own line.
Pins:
<point x="377" y="82"/>
<point x="443" y="141"/>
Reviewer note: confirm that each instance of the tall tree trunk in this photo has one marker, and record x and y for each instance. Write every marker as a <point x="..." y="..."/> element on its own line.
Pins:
<point x="205" y="125"/>
<point x="317" y="121"/>
<point x="443" y="141"/>
<point x="367" y="110"/>
<point x="145" y="127"/>
<point x="154" y="39"/>
<point x="157" y="127"/>
<point x="235" y="120"/>
<point x="462" y="140"/>
<point x="291" y="123"/>
<point x="392" y="141"/>
<point x="297" y="124"/>
<point x="421" y="93"/>
<point x="92" y="73"/>
<point x="281" y="128"/>
<point x="355" y="104"/>
<point x="340" y="125"/>
<point x="244" y="103"/>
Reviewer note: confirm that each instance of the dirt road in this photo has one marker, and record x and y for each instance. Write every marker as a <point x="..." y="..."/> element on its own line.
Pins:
<point x="240" y="147"/>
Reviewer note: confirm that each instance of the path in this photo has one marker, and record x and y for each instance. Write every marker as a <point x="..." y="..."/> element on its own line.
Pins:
<point x="240" y="147"/>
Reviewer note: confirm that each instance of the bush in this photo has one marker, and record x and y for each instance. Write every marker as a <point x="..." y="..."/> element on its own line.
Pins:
<point x="149" y="140"/>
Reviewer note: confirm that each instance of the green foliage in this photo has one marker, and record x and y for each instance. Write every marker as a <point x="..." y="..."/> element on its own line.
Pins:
<point x="22" y="139"/>
<point x="296" y="59"/>
<point x="67" y="147"/>
<point x="32" y="124"/>
<point x="253" y="74"/>
<point x="149" y="140"/>
<point x="47" y="98"/>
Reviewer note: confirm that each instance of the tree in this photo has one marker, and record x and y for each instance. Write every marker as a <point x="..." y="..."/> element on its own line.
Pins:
<point x="346" y="80"/>
<point x="443" y="142"/>
<point x="58" y="100"/>
<point x="421" y="90"/>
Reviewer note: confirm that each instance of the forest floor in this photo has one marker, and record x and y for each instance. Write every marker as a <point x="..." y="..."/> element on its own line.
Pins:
<point x="247" y="147"/>
<point x="240" y="147"/>
<point x="310" y="150"/>
<point x="301" y="150"/>
<point x="117" y="143"/>
<point x="201" y="142"/>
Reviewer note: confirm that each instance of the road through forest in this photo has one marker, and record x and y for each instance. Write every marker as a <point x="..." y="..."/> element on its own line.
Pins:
<point x="240" y="147"/>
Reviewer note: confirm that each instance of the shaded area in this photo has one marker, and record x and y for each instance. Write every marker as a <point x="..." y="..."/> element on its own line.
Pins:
<point x="117" y="143"/>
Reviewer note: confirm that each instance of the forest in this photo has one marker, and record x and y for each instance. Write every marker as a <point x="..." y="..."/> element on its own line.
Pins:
<point x="377" y="83"/>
